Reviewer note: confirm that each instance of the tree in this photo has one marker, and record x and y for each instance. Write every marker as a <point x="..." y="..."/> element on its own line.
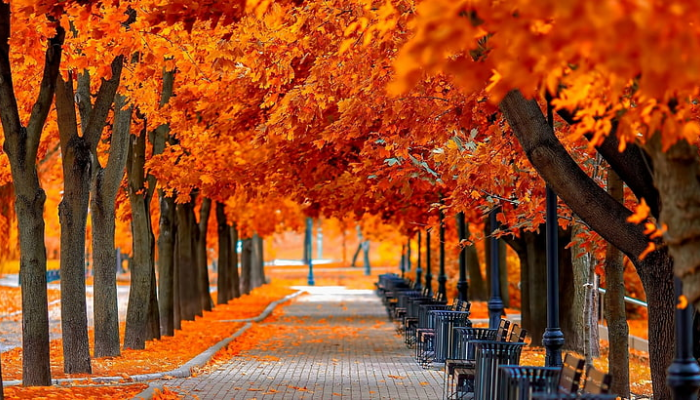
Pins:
<point x="102" y="206"/>
<point x="21" y="146"/>
<point x="78" y="153"/>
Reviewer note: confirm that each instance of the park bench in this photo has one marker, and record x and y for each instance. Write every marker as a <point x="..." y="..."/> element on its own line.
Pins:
<point x="426" y="325"/>
<point x="405" y="298"/>
<point x="435" y="341"/>
<point x="412" y="318"/>
<point x="490" y="355"/>
<point x="529" y="382"/>
<point x="389" y="288"/>
<point x="460" y="366"/>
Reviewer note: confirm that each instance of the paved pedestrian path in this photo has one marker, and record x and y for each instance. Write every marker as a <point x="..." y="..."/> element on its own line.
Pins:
<point x="330" y="343"/>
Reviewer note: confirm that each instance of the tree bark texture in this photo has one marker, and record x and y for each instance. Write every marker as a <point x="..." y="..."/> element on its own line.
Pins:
<point x="258" y="270"/>
<point x="246" y="265"/>
<point x="224" y="232"/>
<point x="138" y="311"/>
<point x="676" y="173"/>
<point x="188" y="292"/>
<point x="166" y="259"/>
<point x="105" y="264"/>
<point x="531" y="249"/>
<point x="235" y="280"/>
<point x="72" y="213"/>
<point x="21" y="146"/>
<point x="608" y="218"/>
<point x="477" y="284"/>
<point x="615" y="314"/>
<point x="153" y="326"/>
<point x="201" y="251"/>
<point x="79" y="155"/>
<point x="177" y="320"/>
<point x="585" y="320"/>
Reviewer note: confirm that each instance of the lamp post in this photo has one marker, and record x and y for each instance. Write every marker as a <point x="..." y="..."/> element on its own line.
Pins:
<point x="309" y="250"/>
<point x="683" y="375"/>
<point x="419" y="270"/>
<point x="495" y="305"/>
<point x="402" y="263"/>
<point x="408" y="255"/>
<point x="553" y="338"/>
<point x="462" y="284"/>
<point x="442" y="278"/>
<point x="428" y="274"/>
<point x="365" y="257"/>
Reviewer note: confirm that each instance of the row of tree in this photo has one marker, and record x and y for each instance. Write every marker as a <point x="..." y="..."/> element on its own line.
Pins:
<point x="259" y="105"/>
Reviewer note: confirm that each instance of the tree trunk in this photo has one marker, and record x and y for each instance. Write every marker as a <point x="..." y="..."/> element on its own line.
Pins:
<point x="531" y="249"/>
<point x="79" y="154"/>
<point x="177" y="320"/>
<point x="102" y="209"/>
<point x="609" y="219"/>
<point x="365" y="257"/>
<point x="615" y="313"/>
<point x="153" y="326"/>
<point x="21" y="146"/>
<point x="223" y="282"/>
<point x="29" y="206"/>
<point x="246" y="265"/>
<point x="658" y="286"/>
<point x="137" y="317"/>
<point x="477" y="285"/>
<point x="166" y="259"/>
<point x="190" y="305"/>
<point x="235" y="281"/>
<point x="72" y="213"/>
<point x="503" y="265"/>
<point x="205" y="295"/>
<point x="258" y="270"/>
<point x="587" y="342"/>
<point x="353" y="263"/>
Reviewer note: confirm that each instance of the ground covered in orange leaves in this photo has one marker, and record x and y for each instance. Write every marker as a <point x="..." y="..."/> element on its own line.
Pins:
<point x="11" y="300"/>
<point x="75" y="392"/>
<point x="160" y="355"/>
<point x="170" y="353"/>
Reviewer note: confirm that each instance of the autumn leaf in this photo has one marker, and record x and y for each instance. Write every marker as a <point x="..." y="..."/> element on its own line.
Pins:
<point x="682" y="302"/>
<point x="641" y="213"/>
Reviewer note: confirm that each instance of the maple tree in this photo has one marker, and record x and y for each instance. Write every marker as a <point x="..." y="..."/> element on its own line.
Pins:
<point x="285" y="112"/>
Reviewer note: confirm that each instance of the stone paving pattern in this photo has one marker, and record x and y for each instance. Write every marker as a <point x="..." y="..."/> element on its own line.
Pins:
<point x="331" y="343"/>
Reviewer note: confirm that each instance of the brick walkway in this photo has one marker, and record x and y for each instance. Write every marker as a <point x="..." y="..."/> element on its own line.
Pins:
<point x="330" y="343"/>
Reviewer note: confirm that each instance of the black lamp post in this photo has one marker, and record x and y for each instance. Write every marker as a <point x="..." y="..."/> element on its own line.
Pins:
<point x="495" y="305"/>
<point x="553" y="338"/>
<point x="309" y="249"/>
<point x="402" y="263"/>
<point x="442" y="278"/>
<point x="683" y="375"/>
<point x="428" y="274"/>
<point x="419" y="270"/>
<point x="462" y="284"/>
<point x="408" y="255"/>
